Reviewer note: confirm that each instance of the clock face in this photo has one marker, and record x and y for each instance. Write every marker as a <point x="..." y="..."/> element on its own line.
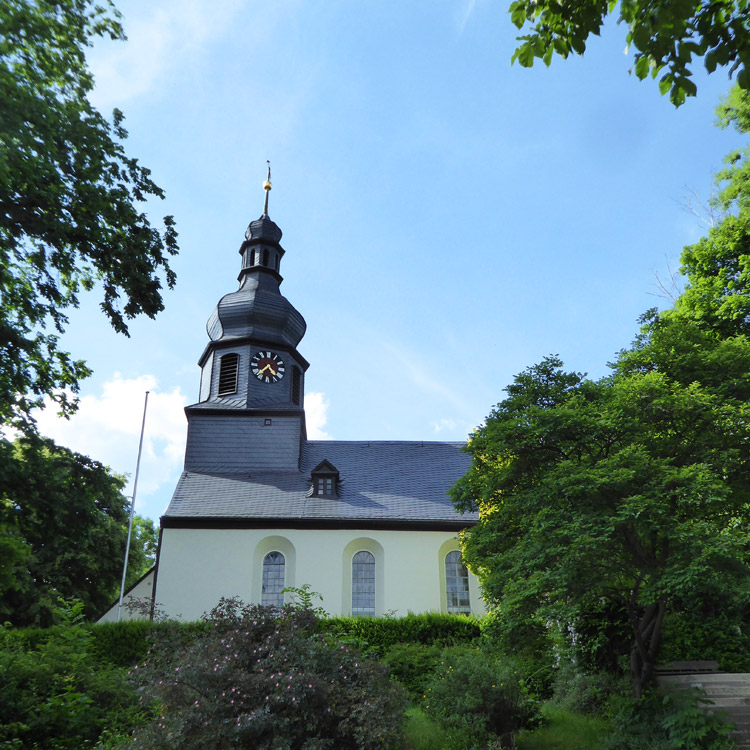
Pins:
<point x="267" y="367"/>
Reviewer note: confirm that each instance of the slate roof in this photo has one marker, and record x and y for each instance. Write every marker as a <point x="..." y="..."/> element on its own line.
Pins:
<point x="390" y="483"/>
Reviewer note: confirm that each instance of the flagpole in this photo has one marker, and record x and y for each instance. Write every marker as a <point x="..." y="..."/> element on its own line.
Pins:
<point x="132" y="509"/>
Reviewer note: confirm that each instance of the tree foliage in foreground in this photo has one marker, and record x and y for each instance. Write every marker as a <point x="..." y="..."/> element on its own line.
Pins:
<point x="63" y="529"/>
<point x="70" y="197"/>
<point x="614" y="490"/>
<point x="667" y="37"/>
<point x="57" y="694"/>
<point x="628" y="496"/>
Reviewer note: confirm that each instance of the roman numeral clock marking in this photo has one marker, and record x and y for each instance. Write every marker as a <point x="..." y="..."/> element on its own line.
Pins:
<point x="268" y="367"/>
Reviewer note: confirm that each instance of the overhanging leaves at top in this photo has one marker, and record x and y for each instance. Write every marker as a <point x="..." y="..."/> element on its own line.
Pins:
<point x="666" y="37"/>
<point x="70" y="215"/>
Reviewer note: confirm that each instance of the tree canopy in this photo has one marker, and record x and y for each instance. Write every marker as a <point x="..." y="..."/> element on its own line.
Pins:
<point x="70" y="202"/>
<point x="632" y="490"/>
<point x="63" y="529"/>
<point x="666" y="37"/>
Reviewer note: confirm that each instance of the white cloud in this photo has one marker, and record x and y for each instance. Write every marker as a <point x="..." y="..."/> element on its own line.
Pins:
<point x="107" y="427"/>
<point x="161" y="39"/>
<point x="444" y="424"/>
<point x="316" y="415"/>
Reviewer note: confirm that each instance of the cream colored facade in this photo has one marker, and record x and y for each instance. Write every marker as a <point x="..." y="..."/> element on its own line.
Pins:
<point x="142" y="591"/>
<point x="199" y="566"/>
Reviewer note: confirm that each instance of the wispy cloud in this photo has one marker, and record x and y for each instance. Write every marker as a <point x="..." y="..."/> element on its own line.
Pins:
<point x="159" y="42"/>
<point x="107" y="428"/>
<point x="466" y="12"/>
<point x="316" y="415"/>
<point x="425" y="375"/>
<point x="444" y="424"/>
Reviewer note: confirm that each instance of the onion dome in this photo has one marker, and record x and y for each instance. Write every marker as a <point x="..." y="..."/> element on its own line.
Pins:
<point x="257" y="309"/>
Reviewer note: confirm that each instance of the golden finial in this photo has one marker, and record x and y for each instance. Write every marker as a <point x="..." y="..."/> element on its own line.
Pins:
<point x="267" y="188"/>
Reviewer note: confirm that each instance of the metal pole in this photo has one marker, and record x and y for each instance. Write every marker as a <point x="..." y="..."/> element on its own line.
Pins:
<point x="132" y="509"/>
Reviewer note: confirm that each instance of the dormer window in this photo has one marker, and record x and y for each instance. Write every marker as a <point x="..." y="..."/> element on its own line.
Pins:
<point x="325" y="480"/>
<point x="324" y="485"/>
<point x="228" y="370"/>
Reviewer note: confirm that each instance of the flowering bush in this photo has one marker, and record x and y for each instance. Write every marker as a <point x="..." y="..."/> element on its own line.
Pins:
<point x="482" y="695"/>
<point x="263" y="678"/>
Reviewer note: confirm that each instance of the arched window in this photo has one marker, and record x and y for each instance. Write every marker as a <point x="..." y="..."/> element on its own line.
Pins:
<point x="265" y="256"/>
<point x="228" y="369"/>
<point x="273" y="580"/>
<point x="457" y="584"/>
<point x="252" y="257"/>
<point x="363" y="585"/>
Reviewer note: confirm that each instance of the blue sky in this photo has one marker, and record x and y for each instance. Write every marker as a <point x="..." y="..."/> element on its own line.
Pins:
<point x="449" y="219"/>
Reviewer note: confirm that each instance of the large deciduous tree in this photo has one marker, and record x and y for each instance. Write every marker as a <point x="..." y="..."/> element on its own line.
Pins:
<point x="666" y="37"/>
<point x="614" y="490"/>
<point x="630" y="494"/>
<point x="63" y="529"/>
<point x="71" y="201"/>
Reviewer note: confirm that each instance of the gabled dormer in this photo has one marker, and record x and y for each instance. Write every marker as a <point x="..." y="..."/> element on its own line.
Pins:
<point x="325" y="480"/>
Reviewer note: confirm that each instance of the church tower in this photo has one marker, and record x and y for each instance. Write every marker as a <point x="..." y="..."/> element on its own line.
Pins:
<point x="250" y="415"/>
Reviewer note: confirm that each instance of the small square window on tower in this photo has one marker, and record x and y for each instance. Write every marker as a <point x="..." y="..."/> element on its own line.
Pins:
<point x="325" y="480"/>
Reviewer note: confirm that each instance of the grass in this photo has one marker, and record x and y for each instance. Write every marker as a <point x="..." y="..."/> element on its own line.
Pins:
<point x="564" y="730"/>
<point x="422" y="733"/>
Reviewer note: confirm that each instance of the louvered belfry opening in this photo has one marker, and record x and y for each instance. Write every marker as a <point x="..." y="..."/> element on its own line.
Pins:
<point x="296" y="386"/>
<point x="229" y="366"/>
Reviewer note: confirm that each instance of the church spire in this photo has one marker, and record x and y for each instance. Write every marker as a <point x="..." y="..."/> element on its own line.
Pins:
<point x="267" y="188"/>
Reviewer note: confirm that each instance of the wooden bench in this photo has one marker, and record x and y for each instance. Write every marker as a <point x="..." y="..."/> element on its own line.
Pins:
<point x="687" y="667"/>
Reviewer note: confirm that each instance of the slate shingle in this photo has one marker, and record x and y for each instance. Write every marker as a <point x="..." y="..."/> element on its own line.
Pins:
<point x="380" y="482"/>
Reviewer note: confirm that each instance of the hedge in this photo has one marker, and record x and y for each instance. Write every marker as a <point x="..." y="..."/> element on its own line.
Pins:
<point x="124" y="644"/>
<point x="379" y="633"/>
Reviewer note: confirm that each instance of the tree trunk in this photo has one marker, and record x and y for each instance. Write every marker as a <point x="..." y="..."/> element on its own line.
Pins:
<point x="647" y="632"/>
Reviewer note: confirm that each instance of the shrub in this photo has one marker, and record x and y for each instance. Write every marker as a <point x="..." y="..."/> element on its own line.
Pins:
<point x="379" y="633"/>
<point x="688" y="637"/>
<point x="535" y="647"/>
<point x="481" y="694"/>
<point x="674" y="721"/>
<point x="262" y="678"/>
<point x="412" y="665"/>
<point x="55" y="695"/>
<point x="126" y="643"/>
<point x="587" y="693"/>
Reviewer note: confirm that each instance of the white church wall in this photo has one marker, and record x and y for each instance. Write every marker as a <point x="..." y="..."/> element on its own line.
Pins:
<point x="141" y="592"/>
<point x="199" y="566"/>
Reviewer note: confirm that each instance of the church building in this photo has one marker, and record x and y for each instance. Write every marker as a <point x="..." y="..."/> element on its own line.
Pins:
<point x="259" y="507"/>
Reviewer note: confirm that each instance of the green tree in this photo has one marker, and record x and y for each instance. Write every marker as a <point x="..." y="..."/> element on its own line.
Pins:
<point x="613" y="490"/>
<point x="629" y="497"/>
<point x="70" y="202"/>
<point x="666" y="37"/>
<point x="65" y="518"/>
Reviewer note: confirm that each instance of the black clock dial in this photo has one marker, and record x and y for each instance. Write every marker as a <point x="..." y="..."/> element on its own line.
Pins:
<point x="267" y="367"/>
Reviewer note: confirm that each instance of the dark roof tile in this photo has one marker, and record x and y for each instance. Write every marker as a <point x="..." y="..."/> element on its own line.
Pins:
<point x="380" y="481"/>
